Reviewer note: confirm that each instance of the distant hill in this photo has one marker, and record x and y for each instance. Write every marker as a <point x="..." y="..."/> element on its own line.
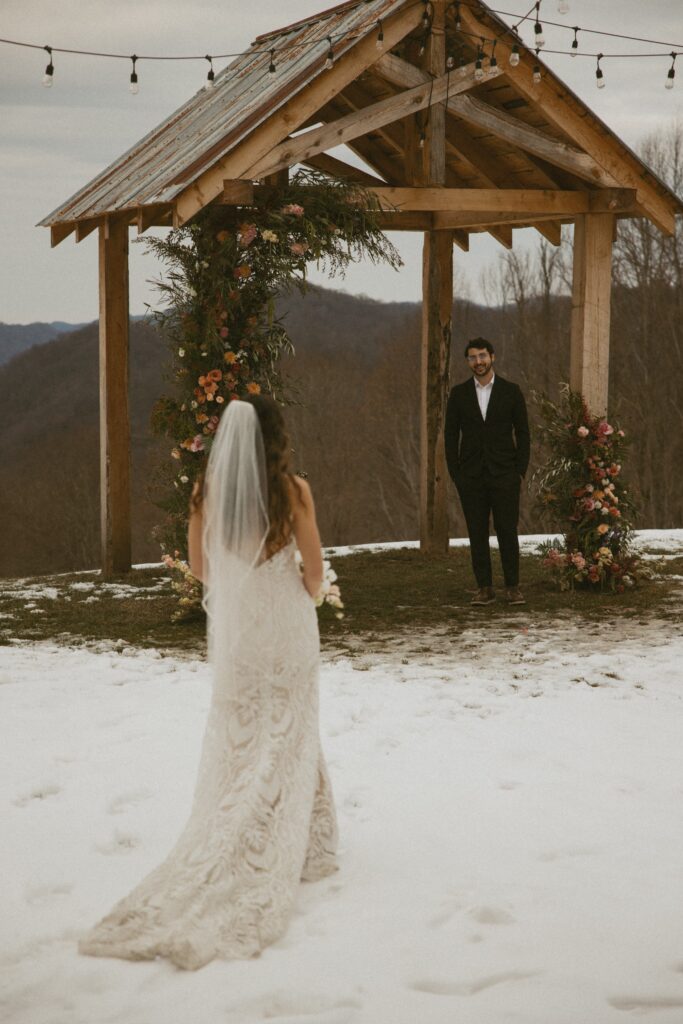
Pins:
<point x="354" y="422"/>
<point x="16" y="338"/>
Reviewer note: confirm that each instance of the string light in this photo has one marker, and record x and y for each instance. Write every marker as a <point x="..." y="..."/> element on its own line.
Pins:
<point x="669" y="84"/>
<point x="458" y="22"/>
<point x="539" y="39"/>
<point x="423" y="138"/>
<point x="49" y="70"/>
<point x="599" y="76"/>
<point x="271" y="67"/>
<point x="450" y="62"/>
<point x="537" y="71"/>
<point x="329" y="62"/>
<point x="425" y="17"/>
<point x="478" y="70"/>
<point x="210" y="77"/>
<point x="493" y="63"/>
<point x="514" y="56"/>
<point x="134" y="87"/>
<point x="563" y="7"/>
<point x="380" y="35"/>
<point x="575" y="41"/>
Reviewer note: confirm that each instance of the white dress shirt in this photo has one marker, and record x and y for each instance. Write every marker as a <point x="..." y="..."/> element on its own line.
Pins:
<point x="484" y="394"/>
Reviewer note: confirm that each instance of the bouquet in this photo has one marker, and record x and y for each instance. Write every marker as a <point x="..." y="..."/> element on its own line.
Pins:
<point x="329" y="592"/>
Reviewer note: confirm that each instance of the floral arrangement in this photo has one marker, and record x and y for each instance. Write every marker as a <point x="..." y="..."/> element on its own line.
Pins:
<point x="582" y="488"/>
<point x="186" y="586"/>
<point x="225" y="270"/>
<point x="329" y="593"/>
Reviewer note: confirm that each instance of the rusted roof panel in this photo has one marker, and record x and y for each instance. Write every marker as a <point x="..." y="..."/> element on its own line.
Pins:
<point x="162" y="164"/>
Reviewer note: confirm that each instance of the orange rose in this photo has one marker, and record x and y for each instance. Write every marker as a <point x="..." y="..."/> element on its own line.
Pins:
<point x="603" y="528"/>
<point x="214" y="375"/>
<point x="253" y="388"/>
<point x="230" y="357"/>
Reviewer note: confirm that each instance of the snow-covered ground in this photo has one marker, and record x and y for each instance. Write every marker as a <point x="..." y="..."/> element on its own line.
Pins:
<point x="510" y="815"/>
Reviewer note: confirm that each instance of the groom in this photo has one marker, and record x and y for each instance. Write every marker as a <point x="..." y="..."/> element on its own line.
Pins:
<point x="487" y="465"/>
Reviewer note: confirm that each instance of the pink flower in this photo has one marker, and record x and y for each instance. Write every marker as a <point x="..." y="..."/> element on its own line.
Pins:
<point x="197" y="443"/>
<point x="583" y="431"/>
<point x="588" y="504"/>
<point x="298" y="248"/>
<point x="294" y="209"/>
<point x="224" y="332"/>
<point x="247" y="234"/>
<point x="604" y="429"/>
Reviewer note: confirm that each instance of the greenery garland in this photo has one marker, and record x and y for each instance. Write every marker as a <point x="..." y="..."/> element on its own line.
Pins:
<point x="226" y="270"/>
<point x="582" y="487"/>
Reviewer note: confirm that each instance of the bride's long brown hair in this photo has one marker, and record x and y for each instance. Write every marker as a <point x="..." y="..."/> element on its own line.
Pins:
<point x="276" y="444"/>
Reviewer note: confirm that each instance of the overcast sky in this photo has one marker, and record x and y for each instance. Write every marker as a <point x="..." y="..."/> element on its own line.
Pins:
<point x="53" y="141"/>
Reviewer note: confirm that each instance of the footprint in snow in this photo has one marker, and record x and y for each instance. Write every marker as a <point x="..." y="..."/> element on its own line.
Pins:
<point x="645" y="1003"/>
<point x="38" y="793"/>
<point x="491" y="915"/>
<point x="124" y="800"/>
<point x="43" y="893"/>
<point x="438" y="987"/>
<point x="121" y="842"/>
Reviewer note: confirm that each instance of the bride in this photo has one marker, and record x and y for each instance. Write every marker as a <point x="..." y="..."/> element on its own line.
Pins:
<point x="262" y="816"/>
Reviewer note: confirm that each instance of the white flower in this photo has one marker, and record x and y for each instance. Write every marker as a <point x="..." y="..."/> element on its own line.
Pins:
<point x="605" y="483"/>
<point x="204" y="353"/>
<point x="205" y="263"/>
<point x="192" y="292"/>
<point x="183" y="479"/>
<point x="598" y="504"/>
<point x="181" y="352"/>
<point x="269" y="236"/>
<point x="193" y="404"/>
<point x="604" y="511"/>
<point x="209" y="397"/>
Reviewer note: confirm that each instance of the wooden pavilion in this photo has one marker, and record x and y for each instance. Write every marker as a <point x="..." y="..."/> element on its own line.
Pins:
<point x="455" y="138"/>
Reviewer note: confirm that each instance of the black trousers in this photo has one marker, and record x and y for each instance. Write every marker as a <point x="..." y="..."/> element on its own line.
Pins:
<point x="480" y="497"/>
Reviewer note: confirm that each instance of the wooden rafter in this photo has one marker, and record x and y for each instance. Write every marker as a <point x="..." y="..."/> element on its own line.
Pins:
<point x="317" y="140"/>
<point x="617" y="168"/>
<point x="293" y="114"/>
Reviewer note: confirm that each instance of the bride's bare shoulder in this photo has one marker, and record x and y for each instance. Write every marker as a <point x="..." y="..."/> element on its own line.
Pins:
<point x="300" y="494"/>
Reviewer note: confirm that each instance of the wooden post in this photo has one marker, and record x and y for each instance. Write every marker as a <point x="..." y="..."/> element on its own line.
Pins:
<point x="114" y="416"/>
<point x="592" y="280"/>
<point x="437" y="304"/>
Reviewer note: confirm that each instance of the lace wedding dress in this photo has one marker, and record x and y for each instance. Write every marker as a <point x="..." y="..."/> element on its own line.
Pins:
<point x="262" y="816"/>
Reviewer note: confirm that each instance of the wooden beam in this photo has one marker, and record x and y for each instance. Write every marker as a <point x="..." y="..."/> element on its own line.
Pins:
<point x="590" y="324"/>
<point x="237" y="192"/>
<point x="410" y="221"/>
<point x="58" y="232"/>
<point x="503" y="235"/>
<point x="462" y="240"/>
<point x="508" y="200"/>
<point x="500" y="124"/>
<point x="437" y="312"/>
<point x="311" y="97"/>
<point x="155" y="215"/>
<point x="114" y="415"/>
<point x="617" y="166"/>
<point x="341" y="170"/>
<point x="317" y="140"/>
<point x="86" y="227"/>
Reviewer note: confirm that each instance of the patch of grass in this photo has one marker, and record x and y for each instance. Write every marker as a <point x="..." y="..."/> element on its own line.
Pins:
<point x="390" y="592"/>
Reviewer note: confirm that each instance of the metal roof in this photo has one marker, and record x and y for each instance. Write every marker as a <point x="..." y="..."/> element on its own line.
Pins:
<point x="212" y="123"/>
<point x="162" y="164"/>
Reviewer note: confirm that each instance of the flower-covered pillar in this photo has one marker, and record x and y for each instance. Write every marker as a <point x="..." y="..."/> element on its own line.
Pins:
<point x="591" y="291"/>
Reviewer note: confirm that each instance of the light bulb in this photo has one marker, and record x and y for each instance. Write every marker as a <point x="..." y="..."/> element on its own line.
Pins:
<point x="134" y="87"/>
<point x="599" y="79"/>
<point x="537" y="75"/>
<point x="47" y="77"/>
<point x="539" y="39"/>
<point x="670" y="79"/>
<point x="575" y="47"/>
<point x="329" y="63"/>
<point x="478" y="72"/>
<point x="514" y="56"/>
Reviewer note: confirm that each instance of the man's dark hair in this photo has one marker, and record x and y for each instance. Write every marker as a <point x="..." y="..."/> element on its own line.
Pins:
<point x="479" y="343"/>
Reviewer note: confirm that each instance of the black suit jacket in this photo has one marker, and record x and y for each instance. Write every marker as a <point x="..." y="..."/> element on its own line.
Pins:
<point x="474" y="444"/>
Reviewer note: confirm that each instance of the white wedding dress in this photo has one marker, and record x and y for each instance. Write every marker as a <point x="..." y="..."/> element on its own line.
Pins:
<point x="262" y="817"/>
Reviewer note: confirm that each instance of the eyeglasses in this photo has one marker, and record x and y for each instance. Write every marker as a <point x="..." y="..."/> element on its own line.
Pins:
<point x="476" y="359"/>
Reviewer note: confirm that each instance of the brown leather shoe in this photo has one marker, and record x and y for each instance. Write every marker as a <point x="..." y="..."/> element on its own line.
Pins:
<point x="514" y="596"/>
<point x="485" y="595"/>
